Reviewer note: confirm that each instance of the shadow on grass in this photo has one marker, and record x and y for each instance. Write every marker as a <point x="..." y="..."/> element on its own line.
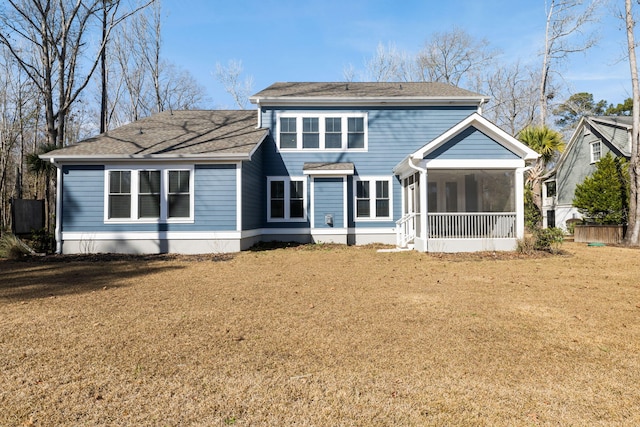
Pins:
<point x="35" y="278"/>
<point x="269" y="246"/>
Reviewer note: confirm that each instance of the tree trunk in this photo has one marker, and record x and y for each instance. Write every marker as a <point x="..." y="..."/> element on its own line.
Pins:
<point x="633" y="229"/>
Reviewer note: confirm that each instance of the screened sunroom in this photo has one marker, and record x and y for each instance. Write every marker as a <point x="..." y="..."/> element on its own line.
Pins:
<point x="464" y="191"/>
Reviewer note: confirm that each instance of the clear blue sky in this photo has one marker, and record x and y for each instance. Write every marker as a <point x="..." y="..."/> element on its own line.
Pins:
<point x="314" y="40"/>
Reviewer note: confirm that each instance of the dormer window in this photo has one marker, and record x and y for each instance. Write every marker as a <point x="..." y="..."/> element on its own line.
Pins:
<point x="596" y="151"/>
<point x="322" y="132"/>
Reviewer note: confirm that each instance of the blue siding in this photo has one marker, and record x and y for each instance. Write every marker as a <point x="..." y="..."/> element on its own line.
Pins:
<point x="254" y="208"/>
<point x="471" y="144"/>
<point x="82" y="198"/>
<point x="83" y="201"/>
<point x="215" y="198"/>
<point x="393" y="133"/>
<point x="329" y="199"/>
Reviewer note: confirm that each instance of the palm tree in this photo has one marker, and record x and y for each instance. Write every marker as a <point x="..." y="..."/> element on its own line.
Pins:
<point x="549" y="144"/>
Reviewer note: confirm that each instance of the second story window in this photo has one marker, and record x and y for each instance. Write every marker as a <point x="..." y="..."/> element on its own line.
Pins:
<point x="596" y="151"/>
<point x="310" y="132"/>
<point x="322" y="131"/>
<point x="356" y="132"/>
<point x="288" y="133"/>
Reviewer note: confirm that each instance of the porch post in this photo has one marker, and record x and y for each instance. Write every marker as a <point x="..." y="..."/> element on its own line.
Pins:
<point x="520" y="203"/>
<point x="424" y="209"/>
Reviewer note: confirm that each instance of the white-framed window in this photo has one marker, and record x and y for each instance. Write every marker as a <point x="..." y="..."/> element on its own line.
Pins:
<point x="596" y="151"/>
<point x="329" y="131"/>
<point x="159" y="194"/>
<point x="286" y="198"/>
<point x="373" y="198"/>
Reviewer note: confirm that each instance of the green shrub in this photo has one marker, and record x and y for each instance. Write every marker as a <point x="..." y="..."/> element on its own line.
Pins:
<point x="548" y="239"/>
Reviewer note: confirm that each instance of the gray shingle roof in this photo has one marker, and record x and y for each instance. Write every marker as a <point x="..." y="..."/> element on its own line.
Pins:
<point x="215" y="134"/>
<point x="426" y="90"/>
<point x="615" y="129"/>
<point x="328" y="167"/>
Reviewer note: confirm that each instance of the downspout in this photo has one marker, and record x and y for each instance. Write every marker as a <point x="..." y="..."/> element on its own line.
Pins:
<point x="58" y="229"/>
<point x="482" y="102"/>
<point x="259" y="113"/>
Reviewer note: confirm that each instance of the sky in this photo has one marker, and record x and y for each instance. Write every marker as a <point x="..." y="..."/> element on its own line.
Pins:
<point x="315" y="40"/>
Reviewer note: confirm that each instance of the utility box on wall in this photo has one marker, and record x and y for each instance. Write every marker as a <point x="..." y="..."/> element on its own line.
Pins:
<point x="328" y="219"/>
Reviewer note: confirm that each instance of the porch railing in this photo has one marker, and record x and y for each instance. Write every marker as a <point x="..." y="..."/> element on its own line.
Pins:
<point x="472" y="225"/>
<point x="406" y="229"/>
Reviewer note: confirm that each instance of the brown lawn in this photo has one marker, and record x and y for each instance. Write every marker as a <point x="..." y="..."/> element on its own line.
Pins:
<point x="317" y="335"/>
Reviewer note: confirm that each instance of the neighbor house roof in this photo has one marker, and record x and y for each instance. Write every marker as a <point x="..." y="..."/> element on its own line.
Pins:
<point x="197" y="134"/>
<point x="615" y="129"/>
<point x="612" y="130"/>
<point x="358" y="92"/>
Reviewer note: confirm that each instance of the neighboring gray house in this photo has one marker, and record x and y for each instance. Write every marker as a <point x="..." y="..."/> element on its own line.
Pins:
<point x="412" y="164"/>
<point x="594" y="137"/>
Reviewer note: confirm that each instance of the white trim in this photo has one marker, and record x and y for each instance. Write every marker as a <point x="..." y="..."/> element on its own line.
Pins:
<point x="164" y="193"/>
<point x="372" y="197"/>
<point x="312" y="203"/>
<point x="58" y="230"/>
<point x="150" y="235"/>
<point x="239" y="196"/>
<point x="344" y="116"/>
<point x="592" y="151"/>
<point x="472" y="164"/>
<point x="333" y="173"/>
<point x="287" y="198"/>
<point x="329" y="101"/>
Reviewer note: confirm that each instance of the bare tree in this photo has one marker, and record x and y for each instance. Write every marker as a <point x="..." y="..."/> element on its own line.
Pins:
<point x="452" y="57"/>
<point x="388" y="64"/>
<point x="566" y="22"/>
<point x="513" y="94"/>
<point x="633" y="227"/>
<point x="231" y="80"/>
<point x="49" y="40"/>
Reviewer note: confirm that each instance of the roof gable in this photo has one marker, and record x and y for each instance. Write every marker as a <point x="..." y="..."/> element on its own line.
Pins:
<point x="471" y="143"/>
<point x="483" y="131"/>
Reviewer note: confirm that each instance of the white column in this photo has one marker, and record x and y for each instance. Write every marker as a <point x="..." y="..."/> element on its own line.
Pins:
<point x="424" y="208"/>
<point x="520" y="203"/>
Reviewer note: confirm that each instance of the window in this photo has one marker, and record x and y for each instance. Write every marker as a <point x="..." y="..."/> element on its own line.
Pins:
<point x="288" y="133"/>
<point x="310" y="133"/>
<point x="149" y="194"/>
<point x="596" y="151"/>
<point x="139" y="195"/>
<point x="355" y="138"/>
<point x="551" y="188"/>
<point x="333" y="132"/>
<point x="286" y="199"/>
<point x="179" y="194"/>
<point x="373" y="198"/>
<point x="119" y="194"/>
<point x="322" y="131"/>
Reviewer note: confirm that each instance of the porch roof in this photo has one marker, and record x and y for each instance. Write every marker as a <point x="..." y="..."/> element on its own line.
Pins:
<point x="521" y="152"/>
<point x="324" y="168"/>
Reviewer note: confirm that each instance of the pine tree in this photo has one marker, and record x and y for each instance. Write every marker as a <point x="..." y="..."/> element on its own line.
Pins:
<point x="604" y="196"/>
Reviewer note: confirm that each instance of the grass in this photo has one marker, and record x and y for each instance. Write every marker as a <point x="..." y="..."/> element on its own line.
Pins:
<point x="322" y="335"/>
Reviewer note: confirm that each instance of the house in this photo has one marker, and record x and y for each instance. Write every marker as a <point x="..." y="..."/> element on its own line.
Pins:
<point x="412" y="164"/>
<point x="593" y="138"/>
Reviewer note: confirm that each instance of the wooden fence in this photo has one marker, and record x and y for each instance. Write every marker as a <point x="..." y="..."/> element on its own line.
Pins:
<point x="598" y="233"/>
